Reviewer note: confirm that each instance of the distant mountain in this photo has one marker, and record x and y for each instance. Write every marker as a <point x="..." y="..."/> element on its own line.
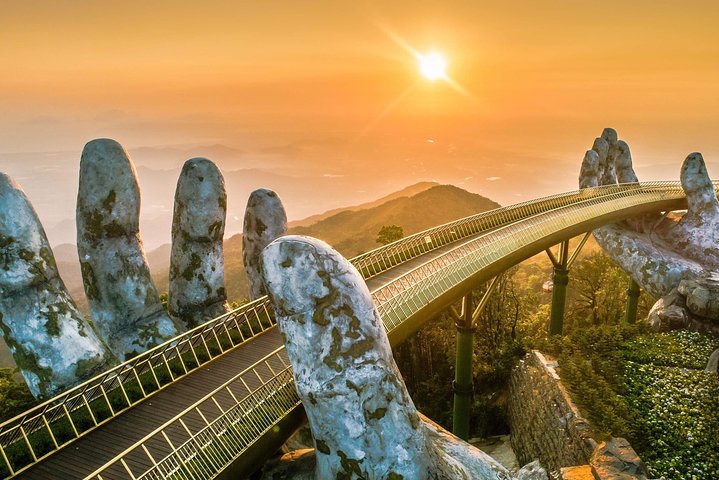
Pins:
<point x="352" y="233"/>
<point x="405" y="192"/>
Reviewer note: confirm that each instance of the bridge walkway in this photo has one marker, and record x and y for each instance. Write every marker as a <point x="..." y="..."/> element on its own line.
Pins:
<point x="98" y="447"/>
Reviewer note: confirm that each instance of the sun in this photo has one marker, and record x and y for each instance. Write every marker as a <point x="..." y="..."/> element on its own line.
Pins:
<point x="433" y="66"/>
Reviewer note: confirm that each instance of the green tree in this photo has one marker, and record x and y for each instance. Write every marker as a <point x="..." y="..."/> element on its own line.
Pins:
<point x="14" y="396"/>
<point x="389" y="233"/>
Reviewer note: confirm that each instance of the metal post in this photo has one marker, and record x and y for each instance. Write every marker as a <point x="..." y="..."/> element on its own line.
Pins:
<point x="560" y="280"/>
<point x="462" y="385"/>
<point x="630" y="315"/>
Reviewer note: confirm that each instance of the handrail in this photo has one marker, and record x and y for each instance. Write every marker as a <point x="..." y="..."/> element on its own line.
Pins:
<point x="410" y="292"/>
<point x="80" y="409"/>
<point x="201" y="455"/>
<point x="221" y="425"/>
<point x="105" y="396"/>
<point x="383" y="258"/>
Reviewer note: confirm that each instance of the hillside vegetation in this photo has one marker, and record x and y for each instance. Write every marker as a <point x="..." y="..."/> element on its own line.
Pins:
<point x="353" y="232"/>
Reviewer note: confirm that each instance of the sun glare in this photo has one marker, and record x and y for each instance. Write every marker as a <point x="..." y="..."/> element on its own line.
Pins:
<point x="433" y="66"/>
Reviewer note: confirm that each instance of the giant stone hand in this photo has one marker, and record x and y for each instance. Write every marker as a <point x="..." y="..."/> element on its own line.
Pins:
<point x="675" y="258"/>
<point x="364" y="423"/>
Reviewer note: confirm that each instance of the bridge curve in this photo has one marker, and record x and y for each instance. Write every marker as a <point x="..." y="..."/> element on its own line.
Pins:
<point x="246" y="417"/>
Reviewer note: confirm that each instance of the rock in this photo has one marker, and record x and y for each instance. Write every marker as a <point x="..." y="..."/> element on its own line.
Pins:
<point x="713" y="363"/>
<point x="363" y="421"/>
<point x="123" y="300"/>
<point x="702" y="295"/>
<point x="197" y="270"/>
<point x="668" y="313"/>
<point x="532" y="471"/>
<point x="265" y="220"/>
<point x="615" y="459"/>
<point x="52" y="344"/>
<point x="580" y="472"/>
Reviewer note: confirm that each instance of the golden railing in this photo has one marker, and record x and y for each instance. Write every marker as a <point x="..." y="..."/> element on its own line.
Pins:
<point x="33" y="435"/>
<point x="210" y="434"/>
<point x="42" y="430"/>
<point x="210" y="449"/>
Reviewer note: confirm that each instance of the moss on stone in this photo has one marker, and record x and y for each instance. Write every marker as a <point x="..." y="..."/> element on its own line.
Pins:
<point x="195" y="263"/>
<point x="88" y="368"/>
<point x="52" y="320"/>
<point x="377" y="414"/>
<point x="26" y="255"/>
<point x="48" y="257"/>
<point x="260" y="227"/>
<point x="331" y="358"/>
<point x="214" y="231"/>
<point x="350" y="466"/>
<point x="88" y="277"/>
<point x="109" y="201"/>
<point x="322" y="447"/>
<point x="26" y="360"/>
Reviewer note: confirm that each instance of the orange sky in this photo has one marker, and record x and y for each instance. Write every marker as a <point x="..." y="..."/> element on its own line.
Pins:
<point x="544" y="78"/>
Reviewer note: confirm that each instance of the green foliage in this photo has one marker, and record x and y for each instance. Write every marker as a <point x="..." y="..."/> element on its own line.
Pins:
<point x="598" y="294"/>
<point x="389" y="233"/>
<point x="651" y="389"/>
<point x="15" y="397"/>
<point x="426" y="360"/>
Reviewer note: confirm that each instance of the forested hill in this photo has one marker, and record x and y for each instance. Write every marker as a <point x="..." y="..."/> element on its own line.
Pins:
<point x="405" y="192"/>
<point x="353" y="232"/>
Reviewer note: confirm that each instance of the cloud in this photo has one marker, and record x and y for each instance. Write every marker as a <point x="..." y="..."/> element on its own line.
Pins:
<point x="493" y="179"/>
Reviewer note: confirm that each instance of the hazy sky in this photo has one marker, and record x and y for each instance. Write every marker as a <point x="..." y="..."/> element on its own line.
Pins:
<point x="325" y="86"/>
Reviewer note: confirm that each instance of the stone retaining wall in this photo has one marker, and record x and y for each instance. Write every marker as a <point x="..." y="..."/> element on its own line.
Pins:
<point x="547" y="425"/>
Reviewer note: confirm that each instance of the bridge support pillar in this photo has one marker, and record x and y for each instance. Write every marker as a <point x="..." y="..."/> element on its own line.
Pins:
<point x="559" y="299"/>
<point x="560" y="279"/>
<point x="630" y="314"/>
<point x="463" y="386"/>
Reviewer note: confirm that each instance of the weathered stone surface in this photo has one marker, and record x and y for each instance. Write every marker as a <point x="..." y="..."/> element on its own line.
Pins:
<point x="660" y="252"/>
<point x="668" y="313"/>
<point x="265" y="220"/>
<point x="589" y="172"/>
<point x="544" y="422"/>
<point x="197" y="270"/>
<point x="701" y="295"/>
<point x="547" y="425"/>
<point x="363" y="421"/>
<point x="624" y="167"/>
<point x="52" y="344"/>
<point x="615" y="459"/>
<point x="691" y="306"/>
<point x="123" y="300"/>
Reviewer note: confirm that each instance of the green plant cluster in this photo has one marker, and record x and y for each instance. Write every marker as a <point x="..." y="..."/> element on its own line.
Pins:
<point x="652" y="390"/>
